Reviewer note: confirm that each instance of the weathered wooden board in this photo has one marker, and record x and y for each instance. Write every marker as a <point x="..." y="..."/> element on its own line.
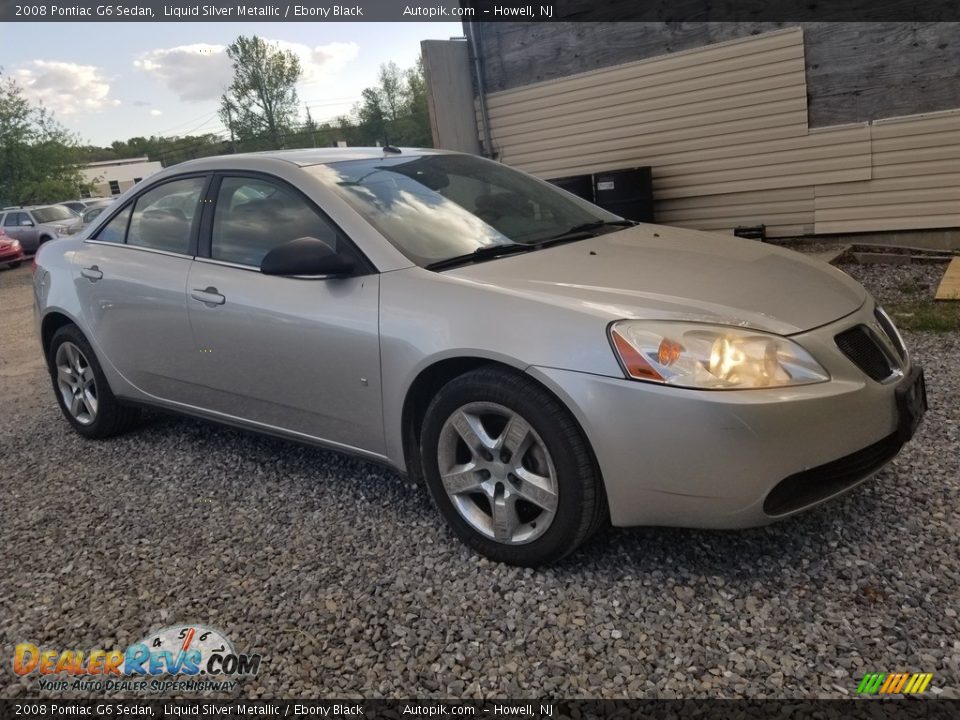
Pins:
<point x="950" y="284"/>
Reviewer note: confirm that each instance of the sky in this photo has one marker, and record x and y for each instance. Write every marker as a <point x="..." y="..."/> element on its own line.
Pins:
<point x="114" y="81"/>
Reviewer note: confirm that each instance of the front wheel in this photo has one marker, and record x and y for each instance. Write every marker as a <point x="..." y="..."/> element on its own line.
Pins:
<point x="509" y="468"/>
<point x="15" y="264"/>
<point x="81" y="387"/>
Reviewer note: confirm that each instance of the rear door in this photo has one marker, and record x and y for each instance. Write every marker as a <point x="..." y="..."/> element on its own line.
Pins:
<point x="291" y="353"/>
<point x="132" y="278"/>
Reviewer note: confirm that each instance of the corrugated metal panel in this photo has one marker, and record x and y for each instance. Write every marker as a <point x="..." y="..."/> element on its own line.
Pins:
<point x="724" y="128"/>
<point x="786" y="211"/>
<point x="634" y="150"/>
<point x="606" y="117"/>
<point x="702" y="114"/>
<point x="915" y="180"/>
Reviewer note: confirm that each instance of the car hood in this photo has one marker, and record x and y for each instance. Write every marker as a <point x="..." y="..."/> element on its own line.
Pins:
<point x="657" y="272"/>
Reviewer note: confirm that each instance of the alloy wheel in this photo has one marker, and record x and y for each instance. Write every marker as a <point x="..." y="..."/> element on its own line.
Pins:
<point x="498" y="473"/>
<point x="77" y="383"/>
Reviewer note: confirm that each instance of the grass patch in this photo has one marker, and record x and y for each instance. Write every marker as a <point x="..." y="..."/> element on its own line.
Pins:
<point x="910" y="286"/>
<point x="931" y="316"/>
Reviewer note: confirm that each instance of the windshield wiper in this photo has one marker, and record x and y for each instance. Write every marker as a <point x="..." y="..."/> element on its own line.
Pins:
<point x="488" y="252"/>
<point x="583" y="231"/>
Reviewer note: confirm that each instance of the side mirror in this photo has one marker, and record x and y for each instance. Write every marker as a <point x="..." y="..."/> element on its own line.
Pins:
<point x="306" y="256"/>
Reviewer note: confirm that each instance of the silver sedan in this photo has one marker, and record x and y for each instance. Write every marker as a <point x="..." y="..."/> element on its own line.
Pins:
<point x="544" y="366"/>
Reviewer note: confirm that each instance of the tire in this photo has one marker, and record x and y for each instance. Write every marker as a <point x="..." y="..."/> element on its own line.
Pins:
<point x="534" y="504"/>
<point x="14" y="265"/>
<point x="93" y="411"/>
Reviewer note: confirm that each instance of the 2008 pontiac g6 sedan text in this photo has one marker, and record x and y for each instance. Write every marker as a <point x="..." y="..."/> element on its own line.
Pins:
<point x="545" y="366"/>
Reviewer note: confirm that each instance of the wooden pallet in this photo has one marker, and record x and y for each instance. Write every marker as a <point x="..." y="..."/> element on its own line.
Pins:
<point x="950" y="284"/>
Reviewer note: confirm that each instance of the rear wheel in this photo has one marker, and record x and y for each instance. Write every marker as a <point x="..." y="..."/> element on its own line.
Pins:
<point x="509" y="468"/>
<point x="81" y="387"/>
<point x="15" y="264"/>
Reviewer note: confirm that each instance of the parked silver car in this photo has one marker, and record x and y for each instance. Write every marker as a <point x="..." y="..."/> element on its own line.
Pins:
<point x="81" y="206"/>
<point x="92" y="212"/>
<point x="546" y="367"/>
<point x="33" y="226"/>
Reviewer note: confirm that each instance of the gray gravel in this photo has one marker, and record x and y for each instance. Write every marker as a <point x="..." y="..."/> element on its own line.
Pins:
<point x="898" y="283"/>
<point x="343" y="576"/>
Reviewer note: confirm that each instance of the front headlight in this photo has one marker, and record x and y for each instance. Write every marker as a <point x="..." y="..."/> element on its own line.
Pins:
<point x="711" y="357"/>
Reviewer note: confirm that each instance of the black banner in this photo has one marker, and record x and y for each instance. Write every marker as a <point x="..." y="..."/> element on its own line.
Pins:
<point x="480" y="11"/>
<point x="865" y="709"/>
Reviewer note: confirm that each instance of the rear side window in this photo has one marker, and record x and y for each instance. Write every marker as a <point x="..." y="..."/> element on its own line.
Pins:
<point x="115" y="231"/>
<point x="163" y="217"/>
<point x="253" y="216"/>
<point x="14" y="219"/>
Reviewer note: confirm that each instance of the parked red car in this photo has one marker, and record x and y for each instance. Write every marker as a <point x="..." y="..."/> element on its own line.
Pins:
<point x="10" y="251"/>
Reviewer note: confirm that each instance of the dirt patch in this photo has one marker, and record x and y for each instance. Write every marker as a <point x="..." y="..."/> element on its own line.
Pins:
<point x="21" y="361"/>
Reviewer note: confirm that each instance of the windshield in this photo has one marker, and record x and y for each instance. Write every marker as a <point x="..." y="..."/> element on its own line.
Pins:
<point x="437" y="207"/>
<point x="53" y="213"/>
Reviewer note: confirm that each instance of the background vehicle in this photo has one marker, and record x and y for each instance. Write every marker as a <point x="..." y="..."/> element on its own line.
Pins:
<point x="33" y="226"/>
<point x="545" y="366"/>
<point x="10" y="251"/>
<point x="93" y="211"/>
<point x="80" y="207"/>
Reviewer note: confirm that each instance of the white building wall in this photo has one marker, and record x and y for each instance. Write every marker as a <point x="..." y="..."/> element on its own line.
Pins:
<point x="124" y="173"/>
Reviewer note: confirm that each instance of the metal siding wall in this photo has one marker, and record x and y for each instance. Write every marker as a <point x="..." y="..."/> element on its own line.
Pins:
<point x="915" y="180"/>
<point x="724" y="128"/>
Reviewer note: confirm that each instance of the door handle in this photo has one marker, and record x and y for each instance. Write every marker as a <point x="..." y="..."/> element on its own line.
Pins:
<point x="92" y="273"/>
<point x="209" y="296"/>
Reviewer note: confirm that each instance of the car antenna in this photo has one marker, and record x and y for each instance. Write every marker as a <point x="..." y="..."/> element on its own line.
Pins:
<point x="393" y="150"/>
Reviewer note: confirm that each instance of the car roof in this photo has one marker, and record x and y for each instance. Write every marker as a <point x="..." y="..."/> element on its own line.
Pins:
<point x="316" y="156"/>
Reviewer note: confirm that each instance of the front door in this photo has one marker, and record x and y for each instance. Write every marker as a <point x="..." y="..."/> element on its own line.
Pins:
<point x="297" y="354"/>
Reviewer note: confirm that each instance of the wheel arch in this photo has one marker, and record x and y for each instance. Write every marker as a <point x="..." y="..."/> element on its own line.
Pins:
<point x="53" y="321"/>
<point x="433" y="377"/>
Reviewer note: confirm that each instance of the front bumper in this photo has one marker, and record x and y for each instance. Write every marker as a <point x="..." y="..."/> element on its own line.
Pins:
<point x="710" y="459"/>
<point x="9" y="256"/>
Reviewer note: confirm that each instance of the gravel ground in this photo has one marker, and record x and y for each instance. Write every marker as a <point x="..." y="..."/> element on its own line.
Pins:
<point x="898" y="283"/>
<point x="341" y="574"/>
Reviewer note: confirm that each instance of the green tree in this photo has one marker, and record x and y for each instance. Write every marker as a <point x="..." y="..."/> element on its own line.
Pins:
<point x="394" y="111"/>
<point x="261" y="102"/>
<point x="39" y="158"/>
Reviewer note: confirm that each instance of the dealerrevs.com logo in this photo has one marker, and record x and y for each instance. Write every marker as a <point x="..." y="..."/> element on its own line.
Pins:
<point x="184" y="658"/>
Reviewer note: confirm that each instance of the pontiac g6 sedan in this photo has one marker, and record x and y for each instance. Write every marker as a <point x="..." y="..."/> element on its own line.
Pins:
<point x="544" y="366"/>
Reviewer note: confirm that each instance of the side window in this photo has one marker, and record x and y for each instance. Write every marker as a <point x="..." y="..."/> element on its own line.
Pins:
<point x="14" y="219"/>
<point x="162" y="217"/>
<point x="253" y="216"/>
<point x="115" y="231"/>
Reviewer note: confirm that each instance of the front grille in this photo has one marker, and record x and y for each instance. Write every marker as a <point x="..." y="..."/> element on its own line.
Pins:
<point x="810" y="486"/>
<point x="862" y="347"/>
